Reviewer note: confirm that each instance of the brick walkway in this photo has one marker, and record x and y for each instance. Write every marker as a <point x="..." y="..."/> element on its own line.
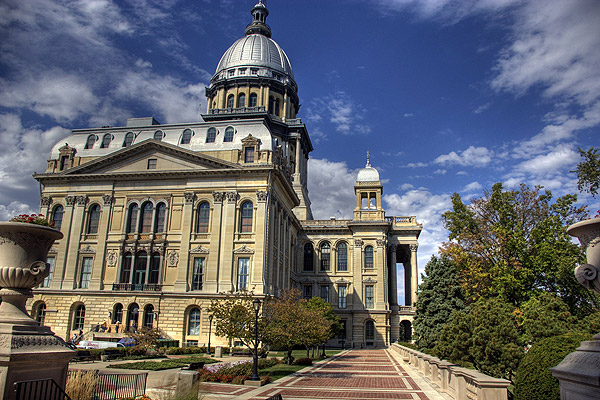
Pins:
<point x="354" y="374"/>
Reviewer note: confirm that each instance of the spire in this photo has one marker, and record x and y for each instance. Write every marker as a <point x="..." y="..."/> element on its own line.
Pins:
<point x="259" y="16"/>
<point x="368" y="159"/>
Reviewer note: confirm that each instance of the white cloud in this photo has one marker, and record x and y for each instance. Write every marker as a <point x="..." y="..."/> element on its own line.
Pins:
<point x="472" y="187"/>
<point x="346" y="115"/>
<point x="419" y="164"/>
<point x="553" y="163"/>
<point x="408" y="115"/>
<point x="482" y="108"/>
<point x="331" y="189"/>
<point x="471" y="157"/>
<point x="447" y="10"/>
<point x="440" y="172"/>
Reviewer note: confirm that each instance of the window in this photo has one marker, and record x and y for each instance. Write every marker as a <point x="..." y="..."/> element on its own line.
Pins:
<point x="146" y="217"/>
<point x="203" y="217"/>
<point x="254" y="71"/>
<point x="308" y="257"/>
<point x="228" y="135"/>
<point x="325" y="256"/>
<point x="325" y="293"/>
<point x="57" y="216"/>
<point x="139" y="273"/>
<point x="79" y="317"/>
<point x="158" y="135"/>
<point x="132" y="317"/>
<point x="152" y="163"/>
<point x="154" y="269"/>
<point x="117" y="313"/>
<point x="342" y="297"/>
<point x="86" y="272"/>
<point x="198" y="273"/>
<point x="48" y="279"/>
<point x="149" y="316"/>
<point x="230" y="100"/>
<point x="90" y="142"/>
<point x="369" y="257"/>
<point x="307" y="292"/>
<point x="64" y="162"/>
<point x="342" y="257"/>
<point x="186" y="138"/>
<point x="242" y="100"/>
<point x="159" y="218"/>
<point x="253" y="100"/>
<point x="211" y="135"/>
<point x="93" y="219"/>
<point x="132" y="218"/>
<point x="369" y="330"/>
<point x="246" y="216"/>
<point x="271" y="105"/>
<point x="194" y="322"/>
<point x="126" y="268"/>
<point x="128" y="139"/>
<point x="369" y="297"/>
<point x="342" y="334"/>
<point x="40" y="313"/>
<point x="249" y="155"/>
<point x="277" y="107"/>
<point x="106" y="139"/>
<point x="242" y="281"/>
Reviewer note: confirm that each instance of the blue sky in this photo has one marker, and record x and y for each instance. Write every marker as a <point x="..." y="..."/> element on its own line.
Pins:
<point x="449" y="96"/>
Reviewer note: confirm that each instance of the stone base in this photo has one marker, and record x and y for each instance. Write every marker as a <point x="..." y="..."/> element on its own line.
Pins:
<point x="259" y="383"/>
<point x="579" y="372"/>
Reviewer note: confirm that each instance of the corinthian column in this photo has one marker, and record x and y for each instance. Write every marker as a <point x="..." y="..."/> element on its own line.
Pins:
<point x="414" y="277"/>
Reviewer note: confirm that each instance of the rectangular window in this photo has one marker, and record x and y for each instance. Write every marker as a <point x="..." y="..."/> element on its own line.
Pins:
<point x="325" y="293"/>
<point x="198" y="273"/>
<point x="342" y="297"/>
<point x="249" y="155"/>
<point x="48" y="279"/>
<point x="342" y="334"/>
<point x="86" y="272"/>
<point x="243" y="274"/>
<point x="369" y="297"/>
<point x="64" y="161"/>
<point x="152" y="163"/>
<point x="307" y="292"/>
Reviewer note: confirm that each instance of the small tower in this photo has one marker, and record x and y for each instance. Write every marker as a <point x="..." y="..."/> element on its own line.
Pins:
<point x="368" y="190"/>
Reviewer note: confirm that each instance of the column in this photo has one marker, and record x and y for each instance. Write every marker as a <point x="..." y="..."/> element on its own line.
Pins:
<point x="75" y="230"/>
<point x="99" y="268"/>
<point x="182" y="282"/>
<point x="45" y="203"/>
<point x="285" y="106"/>
<point x="407" y="281"/>
<point x="260" y="267"/>
<point x="63" y="245"/>
<point x="212" y="262"/>
<point x="413" y="272"/>
<point x="393" y="276"/>
<point x="227" y="278"/>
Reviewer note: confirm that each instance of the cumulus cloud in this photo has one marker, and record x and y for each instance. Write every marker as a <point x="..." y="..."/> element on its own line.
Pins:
<point x="471" y="157"/>
<point x="331" y="188"/>
<point x="343" y="112"/>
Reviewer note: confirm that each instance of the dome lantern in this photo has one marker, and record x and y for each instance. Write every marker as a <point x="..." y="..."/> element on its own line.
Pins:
<point x="259" y="16"/>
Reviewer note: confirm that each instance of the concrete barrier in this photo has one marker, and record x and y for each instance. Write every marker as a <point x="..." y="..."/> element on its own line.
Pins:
<point x="458" y="382"/>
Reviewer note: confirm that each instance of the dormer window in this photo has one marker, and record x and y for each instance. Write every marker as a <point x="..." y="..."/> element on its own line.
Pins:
<point x="228" y="134"/>
<point x="128" y="139"/>
<point x="211" y="135"/>
<point x="186" y="137"/>
<point x="106" y="141"/>
<point x="158" y="135"/>
<point x="249" y="155"/>
<point x="90" y="142"/>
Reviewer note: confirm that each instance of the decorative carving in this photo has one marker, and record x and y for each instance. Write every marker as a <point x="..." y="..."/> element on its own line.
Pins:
<point x="343" y="282"/>
<point x="70" y="200"/>
<point x="199" y="250"/>
<point x="218" y="196"/>
<point x="261" y="196"/>
<point x="393" y="247"/>
<point x="380" y="243"/>
<point x="243" y="250"/>
<point x="108" y="199"/>
<point x="189" y="197"/>
<point x="111" y="258"/>
<point x="586" y="275"/>
<point x="36" y="340"/>
<point x="53" y="250"/>
<point x="358" y="243"/>
<point x="87" y="250"/>
<point x="370" y="280"/>
<point x="81" y="200"/>
<point x="46" y="200"/>
<point x="4" y="341"/>
<point x="172" y="258"/>
<point x="413" y="247"/>
<point x="232" y="197"/>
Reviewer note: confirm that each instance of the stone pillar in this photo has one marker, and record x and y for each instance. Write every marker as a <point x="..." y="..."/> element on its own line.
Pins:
<point x="75" y="231"/>
<point x="213" y="261"/>
<point x="96" y="281"/>
<point x="393" y="276"/>
<point x="414" y="285"/>
<point x="182" y="264"/>
<point x="228" y="275"/>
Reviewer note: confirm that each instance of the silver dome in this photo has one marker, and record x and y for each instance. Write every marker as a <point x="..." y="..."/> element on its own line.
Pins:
<point x="255" y="50"/>
<point x="368" y="174"/>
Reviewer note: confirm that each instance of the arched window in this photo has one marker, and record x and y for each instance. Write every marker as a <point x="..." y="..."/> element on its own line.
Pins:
<point x="246" y="216"/>
<point x="186" y="137"/>
<point x="369" y="330"/>
<point x="57" y="216"/>
<point x="308" y="257"/>
<point x="230" y="99"/>
<point x="106" y="139"/>
<point x="132" y="218"/>
<point x="91" y="139"/>
<point x="253" y="100"/>
<point x="211" y="135"/>
<point x="93" y="219"/>
<point x="154" y="268"/>
<point x="159" y="218"/>
<point x="369" y="257"/>
<point x="194" y="322"/>
<point x="40" y="313"/>
<point x="203" y="217"/>
<point x="132" y="317"/>
<point x="228" y="135"/>
<point x="128" y="139"/>
<point x="146" y="217"/>
<point x="242" y="100"/>
<point x="126" y="268"/>
<point x="158" y="135"/>
<point x="139" y="273"/>
<point x="117" y="314"/>
<point x="79" y="317"/>
<point x="342" y="257"/>
<point x="325" y="256"/>
<point x="149" y="316"/>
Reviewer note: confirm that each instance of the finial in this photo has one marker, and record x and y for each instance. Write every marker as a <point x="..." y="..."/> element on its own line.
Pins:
<point x="368" y="158"/>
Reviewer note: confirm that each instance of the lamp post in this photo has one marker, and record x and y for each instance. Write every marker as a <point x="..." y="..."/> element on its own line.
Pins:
<point x="210" y="318"/>
<point x="256" y="305"/>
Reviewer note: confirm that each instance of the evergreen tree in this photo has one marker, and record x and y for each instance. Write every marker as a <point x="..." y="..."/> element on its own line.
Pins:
<point x="440" y="294"/>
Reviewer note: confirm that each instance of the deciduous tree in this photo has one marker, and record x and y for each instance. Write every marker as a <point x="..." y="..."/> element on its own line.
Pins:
<point x="588" y="171"/>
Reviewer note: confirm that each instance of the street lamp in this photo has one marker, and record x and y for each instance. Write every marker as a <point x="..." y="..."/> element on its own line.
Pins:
<point x="210" y="318"/>
<point x="256" y="305"/>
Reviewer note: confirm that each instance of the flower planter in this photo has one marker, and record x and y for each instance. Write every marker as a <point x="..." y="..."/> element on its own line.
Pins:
<point x="588" y="233"/>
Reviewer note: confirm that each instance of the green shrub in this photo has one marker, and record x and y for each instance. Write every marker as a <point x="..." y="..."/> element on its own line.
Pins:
<point x="267" y="362"/>
<point x="136" y="351"/>
<point x="409" y="345"/>
<point x="303" y="361"/>
<point x="533" y="380"/>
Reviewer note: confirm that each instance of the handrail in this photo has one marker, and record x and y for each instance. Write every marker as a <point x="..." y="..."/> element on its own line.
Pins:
<point x="46" y="389"/>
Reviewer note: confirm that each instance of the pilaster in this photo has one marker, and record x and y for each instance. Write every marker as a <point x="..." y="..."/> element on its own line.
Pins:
<point x="213" y="266"/>
<point x="182" y="282"/>
<point x="99" y="267"/>
<point x="75" y="230"/>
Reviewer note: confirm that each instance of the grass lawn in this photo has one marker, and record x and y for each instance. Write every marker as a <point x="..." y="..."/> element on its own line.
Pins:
<point x="280" y="370"/>
<point x="301" y="353"/>
<point x="161" y="365"/>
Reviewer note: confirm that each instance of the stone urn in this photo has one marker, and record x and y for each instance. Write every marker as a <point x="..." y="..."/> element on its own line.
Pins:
<point x="579" y="372"/>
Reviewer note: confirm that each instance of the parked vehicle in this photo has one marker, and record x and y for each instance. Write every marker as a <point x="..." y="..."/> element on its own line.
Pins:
<point x="97" y="344"/>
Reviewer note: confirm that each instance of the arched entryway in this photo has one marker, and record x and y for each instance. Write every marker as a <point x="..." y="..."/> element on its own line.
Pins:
<point x="133" y="312"/>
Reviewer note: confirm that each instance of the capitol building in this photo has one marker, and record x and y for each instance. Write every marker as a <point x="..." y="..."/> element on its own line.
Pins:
<point x="159" y="219"/>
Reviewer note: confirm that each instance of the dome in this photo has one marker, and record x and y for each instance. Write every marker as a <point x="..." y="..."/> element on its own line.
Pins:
<point x="368" y="173"/>
<point x="255" y="50"/>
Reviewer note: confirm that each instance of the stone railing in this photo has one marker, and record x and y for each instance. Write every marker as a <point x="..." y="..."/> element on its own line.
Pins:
<point x="412" y="220"/>
<point x="326" y="222"/>
<point x="458" y="382"/>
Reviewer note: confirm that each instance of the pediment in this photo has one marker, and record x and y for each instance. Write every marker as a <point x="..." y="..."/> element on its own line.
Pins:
<point x="136" y="159"/>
